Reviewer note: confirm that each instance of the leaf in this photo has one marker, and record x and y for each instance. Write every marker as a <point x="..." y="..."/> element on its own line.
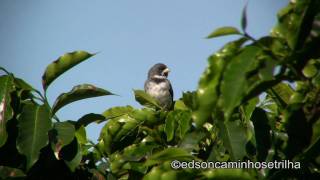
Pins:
<point x="178" y="121"/>
<point x="207" y="93"/>
<point x="64" y="133"/>
<point x="6" y="112"/>
<point x="34" y="124"/>
<point x="244" y="18"/>
<point x="78" y="93"/>
<point x="262" y="133"/>
<point x="89" y="118"/>
<point x="81" y="135"/>
<point x="298" y="129"/>
<point x="170" y="126"/>
<point x="145" y="99"/>
<point x="61" y="65"/>
<point x="281" y="94"/>
<point x="9" y="172"/>
<point x="20" y="83"/>
<point x="117" y="111"/>
<point x="77" y="156"/>
<point x="234" y="84"/>
<point x="227" y="174"/>
<point x="234" y="138"/>
<point x="168" y="154"/>
<point x="223" y="31"/>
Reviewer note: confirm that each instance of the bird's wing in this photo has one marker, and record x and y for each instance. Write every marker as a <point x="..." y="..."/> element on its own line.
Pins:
<point x="170" y="90"/>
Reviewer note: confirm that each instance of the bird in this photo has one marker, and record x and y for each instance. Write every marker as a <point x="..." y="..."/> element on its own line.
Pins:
<point x="158" y="86"/>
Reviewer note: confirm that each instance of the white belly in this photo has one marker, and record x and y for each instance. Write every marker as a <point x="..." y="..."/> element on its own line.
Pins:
<point x="160" y="92"/>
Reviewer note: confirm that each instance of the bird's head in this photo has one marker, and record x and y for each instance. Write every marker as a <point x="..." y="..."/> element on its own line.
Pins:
<point x="158" y="71"/>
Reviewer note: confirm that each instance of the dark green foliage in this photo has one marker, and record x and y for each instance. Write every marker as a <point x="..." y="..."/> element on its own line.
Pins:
<point x="257" y="100"/>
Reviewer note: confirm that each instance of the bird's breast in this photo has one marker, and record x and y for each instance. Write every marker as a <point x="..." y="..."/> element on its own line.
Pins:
<point x="159" y="91"/>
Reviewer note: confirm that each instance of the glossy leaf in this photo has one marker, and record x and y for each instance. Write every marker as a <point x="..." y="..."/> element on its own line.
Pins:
<point x="168" y="154"/>
<point x="223" y="31"/>
<point x="34" y="124"/>
<point x="234" y="84"/>
<point x="6" y="112"/>
<point x="207" y="93"/>
<point x="61" y="65"/>
<point x="117" y="111"/>
<point x="64" y="135"/>
<point x="177" y="124"/>
<point x="78" y="93"/>
<point x="145" y="99"/>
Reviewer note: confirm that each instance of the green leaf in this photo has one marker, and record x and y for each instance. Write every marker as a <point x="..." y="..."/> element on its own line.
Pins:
<point x="234" y="84"/>
<point x="145" y="99"/>
<point x="61" y="65"/>
<point x="207" y="93"/>
<point x="75" y="161"/>
<point x="117" y="111"/>
<point x="234" y="138"/>
<point x="238" y="174"/>
<point x="20" y="83"/>
<point x="78" y="93"/>
<point x="9" y="172"/>
<point x="178" y="121"/>
<point x="6" y="112"/>
<point x="281" y="94"/>
<point x="81" y="135"/>
<point x="89" y="118"/>
<point x="34" y="124"/>
<point x="168" y="154"/>
<point x="63" y="133"/>
<point x="244" y="18"/>
<point x="223" y="31"/>
<point x="262" y="133"/>
<point x="170" y="126"/>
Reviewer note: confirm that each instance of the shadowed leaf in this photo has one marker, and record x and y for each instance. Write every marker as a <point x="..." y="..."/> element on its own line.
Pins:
<point x="77" y="93"/>
<point x="34" y="124"/>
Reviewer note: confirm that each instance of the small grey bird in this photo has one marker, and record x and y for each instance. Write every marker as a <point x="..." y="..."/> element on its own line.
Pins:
<point x="158" y="86"/>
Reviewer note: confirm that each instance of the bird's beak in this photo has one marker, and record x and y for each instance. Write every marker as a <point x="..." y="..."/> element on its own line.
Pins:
<point x="166" y="72"/>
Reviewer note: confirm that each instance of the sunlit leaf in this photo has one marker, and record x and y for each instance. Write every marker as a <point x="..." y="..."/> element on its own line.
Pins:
<point x="77" y="93"/>
<point x="234" y="84"/>
<point x="207" y="93"/>
<point x="223" y="31"/>
<point x="168" y="154"/>
<point x="117" y="111"/>
<point x="145" y="99"/>
<point x="61" y="65"/>
<point x="6" y="112"/>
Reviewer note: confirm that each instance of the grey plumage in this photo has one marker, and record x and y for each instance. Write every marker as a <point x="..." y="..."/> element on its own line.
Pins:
<point x="158" y="86"/>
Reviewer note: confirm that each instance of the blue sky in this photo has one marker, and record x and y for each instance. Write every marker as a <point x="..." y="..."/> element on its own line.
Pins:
<point x="130" y="35"/>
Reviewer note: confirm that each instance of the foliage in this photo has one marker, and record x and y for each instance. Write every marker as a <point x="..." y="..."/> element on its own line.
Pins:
<point x="257" y="100"/>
